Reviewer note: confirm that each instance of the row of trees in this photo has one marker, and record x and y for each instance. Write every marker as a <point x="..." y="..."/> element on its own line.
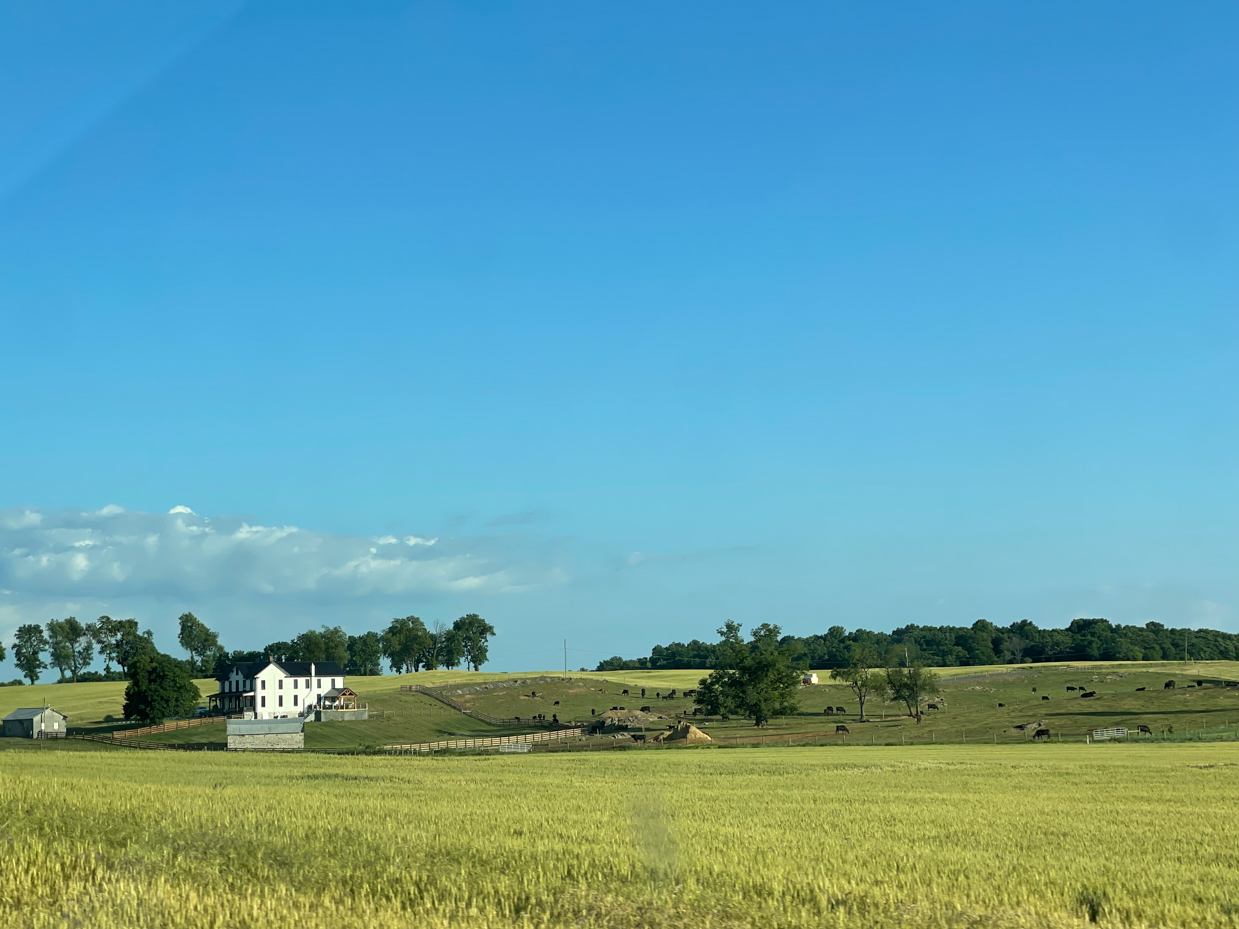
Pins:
<point x="982" y="643"/>
<point x="760" y="678"/>
<point x="71" y="647"/>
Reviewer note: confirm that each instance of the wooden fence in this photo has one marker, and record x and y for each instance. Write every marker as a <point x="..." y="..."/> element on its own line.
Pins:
<point x="170" y="727"/>
<point x="462" y="708"/>
<point x="493" y="742"/>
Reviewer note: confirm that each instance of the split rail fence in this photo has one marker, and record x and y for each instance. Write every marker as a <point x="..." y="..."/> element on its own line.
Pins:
<point x="493" y="742"/>
<point x="462" y="708"/>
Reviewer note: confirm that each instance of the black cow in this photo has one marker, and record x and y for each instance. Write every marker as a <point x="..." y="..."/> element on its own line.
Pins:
<point x="643" y="691"/>
<point x="1144" y="730"/>
<point x="840" y="709"/>
<point x="931" y="706"/>
<point x="1138" y="689"/>
<point x="1070" y="688"/>
<point x="624" y="693"/>
<point x="1169" y="685"/>
<point x="533" y="693"/>
<point x="1044" y="697"/>
<point x="615" y="707"/>
<point x="1089" y="693"/>
<point x="829" y="711"/>
<point x="556" y="703"/>
<point x="1042" y="734"/>
<point x="1001" y="705"/>
<point x="646" y="709"/>
<point x="1034" y="690"/>
<point x="839" y="729"/>
<point x="593" y="712"/>
<point x="555" y="718"/>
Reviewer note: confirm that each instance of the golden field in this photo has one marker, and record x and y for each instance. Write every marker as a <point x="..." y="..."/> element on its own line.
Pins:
<point x="933" y="836"/>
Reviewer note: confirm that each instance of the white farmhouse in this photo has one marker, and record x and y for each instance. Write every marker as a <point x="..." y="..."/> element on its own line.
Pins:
<point x="274" y="689"/>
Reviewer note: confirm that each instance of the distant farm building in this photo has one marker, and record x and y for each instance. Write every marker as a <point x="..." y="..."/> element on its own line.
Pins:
<point x="809" y="678"/>
<point x="40" y="722"/>
<point x="340" y="704"/>
<point x="266" y="734"/>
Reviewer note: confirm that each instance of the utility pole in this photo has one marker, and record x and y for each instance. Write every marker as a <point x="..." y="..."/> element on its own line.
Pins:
<point x="565" y="659"/>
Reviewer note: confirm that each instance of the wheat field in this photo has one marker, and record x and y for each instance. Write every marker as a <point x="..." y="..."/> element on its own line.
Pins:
<point x="1037" y="835"/>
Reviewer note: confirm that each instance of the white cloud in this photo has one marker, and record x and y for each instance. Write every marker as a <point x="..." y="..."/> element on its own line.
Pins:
<point x="187" y="557"/>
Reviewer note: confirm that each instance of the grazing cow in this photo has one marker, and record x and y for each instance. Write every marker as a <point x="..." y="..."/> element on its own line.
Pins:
<point x="556" y="703"/>
<point x="624" y="692"/>
<point x="1044" y="697"/>
<point x="1089" y="693"/>
<point x="1138" y="689"/>
<point x="839" y="729"/>
<point x="829" y="711"/>
<point x="931" y="706"/>
<point x="615" y="707"/>
<point x="658" y="694"/>
<point x="1034" y="690"/>
<point x="643" y="691"/>
<point x="646" y="709"/>
<point x="555" y="718"/>
<point x="533" y="693"/>
<point x="593" y="712"/>
<point x="840" y="709"/>
<point x="623" y="707"/>
<point x="1169" y="685"/>
<point x="1042" y="734"/>
<point x="1001" y="705"/>
<point x="1070" y="688"/>
<point x="517" y="718"/>
<point x="1144" y="730"/>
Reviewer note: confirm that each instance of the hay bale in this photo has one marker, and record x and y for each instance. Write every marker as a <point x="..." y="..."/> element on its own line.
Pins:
<point x="684" y="732"/>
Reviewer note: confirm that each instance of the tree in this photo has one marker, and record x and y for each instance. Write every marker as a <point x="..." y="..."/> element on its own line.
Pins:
<point x="159" y="687"/>
<point x="132" y="644"/>
<point x="911" y="686"/>
<point x="308" y="646"/>
<point x="404" y="643"/>
<point x="71" y="646"/>
<point x="364" y="654"/>
<point x="474" y="633"/>
<point x="201" y="643"/>
<point x="28" y="647"/>
<point x="335" y="645"/>
<point x="110" y="634"/>
<point x="761" y="682"/>
<point x="446" y="649"/>
<point x="280" y="651"/>
<point x="862" y="673"/>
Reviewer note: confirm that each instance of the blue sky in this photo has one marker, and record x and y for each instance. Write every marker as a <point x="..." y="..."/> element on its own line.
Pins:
<point x="636" y="318"/>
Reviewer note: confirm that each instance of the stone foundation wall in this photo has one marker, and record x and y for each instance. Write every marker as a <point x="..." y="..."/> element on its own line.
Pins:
<point x="333" y="716"/>
<point x="266" y="742"/>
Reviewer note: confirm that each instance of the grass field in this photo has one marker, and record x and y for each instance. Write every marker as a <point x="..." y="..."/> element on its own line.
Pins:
<point x="933" y="836"/>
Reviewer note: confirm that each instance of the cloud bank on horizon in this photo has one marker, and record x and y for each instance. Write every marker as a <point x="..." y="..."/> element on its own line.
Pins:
<point x="113" y="554"/>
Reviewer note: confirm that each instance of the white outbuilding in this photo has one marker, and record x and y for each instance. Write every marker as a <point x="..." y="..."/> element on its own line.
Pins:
<point x="809" y="678"/>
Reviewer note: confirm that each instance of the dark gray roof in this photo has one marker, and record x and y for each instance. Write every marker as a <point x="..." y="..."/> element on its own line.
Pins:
<point x="266" y="726"/>
<point x="248" y="669"/>
<point x="302" y="668"/>
<point x="33" y="712"/>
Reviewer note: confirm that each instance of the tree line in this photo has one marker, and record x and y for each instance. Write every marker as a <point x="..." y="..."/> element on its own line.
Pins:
<point x="760" y="678"/>
<point x="71" y="646"/>
<point x="982" y="643"/>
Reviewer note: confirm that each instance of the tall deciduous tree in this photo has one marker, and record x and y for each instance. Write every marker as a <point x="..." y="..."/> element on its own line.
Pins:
<point x="132" y="644"/>
<point x="364" y="654"/>
<point x="474" y="633"/>
<point x="201" y="643"/>
<point x="159" y="687"/>
<point x="28" y="647"/>
<point x="71" y="646"/>
<point x="911" y="686"/>
<point x="761" y="681"/>
<point x="862" y="673"/>
<point x="404" y="643"/>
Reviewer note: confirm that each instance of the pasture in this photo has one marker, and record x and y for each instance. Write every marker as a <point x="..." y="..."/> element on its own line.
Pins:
<point x="933" y="836"/>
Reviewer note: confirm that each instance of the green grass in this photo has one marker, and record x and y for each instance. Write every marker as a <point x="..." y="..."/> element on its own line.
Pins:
<point x="88" y="706"/>
<point x="931" y="836"/>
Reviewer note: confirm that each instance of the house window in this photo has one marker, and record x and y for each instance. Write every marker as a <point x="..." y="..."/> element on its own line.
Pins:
<point x="294" y="683"/>
<point x="281" y="683"/>
<point x="319" y="683"/>
<point x="307" y="683"/>
<point x="264" y="703"/>
<point x="333" y="683"/>
<point x="294" y="699"/>
<point x="264" y="687"/>
<point x="281" y="700"/>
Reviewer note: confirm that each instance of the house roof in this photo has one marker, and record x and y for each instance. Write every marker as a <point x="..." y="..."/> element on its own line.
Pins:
<point x="337" y="691"/>
<point x="291" y="668"/>
<point x="33" y="712"/>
